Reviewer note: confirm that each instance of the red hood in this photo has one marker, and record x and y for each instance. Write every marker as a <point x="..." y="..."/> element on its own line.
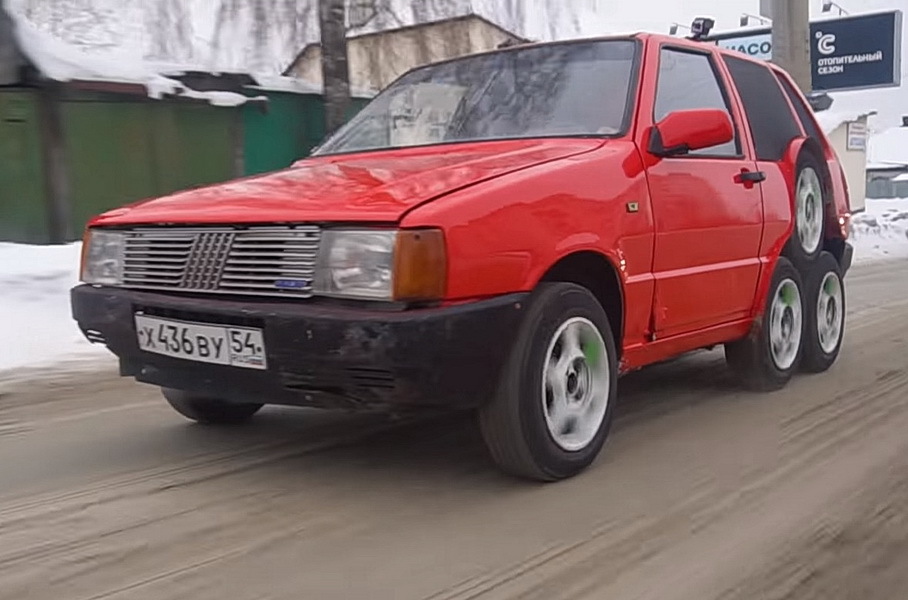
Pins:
<point x="376" y="186"/>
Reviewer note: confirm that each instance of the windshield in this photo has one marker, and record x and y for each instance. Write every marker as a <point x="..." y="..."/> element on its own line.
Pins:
<point x="572" y="89"/>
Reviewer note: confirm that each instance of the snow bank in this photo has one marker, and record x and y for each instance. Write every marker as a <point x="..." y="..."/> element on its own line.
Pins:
<point x="36" y="327"/>
<point x="881" y="232"/>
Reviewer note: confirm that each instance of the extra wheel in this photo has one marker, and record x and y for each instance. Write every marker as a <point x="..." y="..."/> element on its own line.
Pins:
<point x="806" y="242"/>
<point x="825" y="315"/>
<point x="770" y="355"/>
<point x="209" y="411"/>
<point x="553" y="408"/>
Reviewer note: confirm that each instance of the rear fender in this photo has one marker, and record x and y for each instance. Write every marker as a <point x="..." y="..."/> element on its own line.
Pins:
<point x="774" y="247"/>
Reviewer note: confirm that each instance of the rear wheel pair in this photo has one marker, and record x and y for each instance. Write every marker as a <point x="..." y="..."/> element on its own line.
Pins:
<point x="802" y="327"/>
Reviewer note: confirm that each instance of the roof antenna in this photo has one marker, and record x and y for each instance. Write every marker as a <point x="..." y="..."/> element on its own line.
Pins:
<point x="700" y="28"/>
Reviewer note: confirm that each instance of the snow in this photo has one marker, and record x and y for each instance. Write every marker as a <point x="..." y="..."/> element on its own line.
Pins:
<point x="881" y="231"/>
<point x="35" y="283"/>
<point x="60" y="61"/>
<point x="294" y="85"/>
<point x="216" y="98"/>
<point x="889" y="146"/>
<point x="830" y="120"/>
<point x="37" y="328"/>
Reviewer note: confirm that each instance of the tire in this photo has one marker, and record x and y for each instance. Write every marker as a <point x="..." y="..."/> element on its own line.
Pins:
<point x="209" y="411"/>
<point x="825" y="315"/>
<point x="806" y="241"/>
<point x="754" y="360"/>
<point x="536" y="426"/>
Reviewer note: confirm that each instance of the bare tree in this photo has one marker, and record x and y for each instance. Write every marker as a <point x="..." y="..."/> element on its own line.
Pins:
<point x="170" y="28"/>
<point x="335" y="71"/>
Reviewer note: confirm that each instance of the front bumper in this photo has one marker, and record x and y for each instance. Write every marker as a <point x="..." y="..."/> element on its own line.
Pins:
<point x="318" y="355"/>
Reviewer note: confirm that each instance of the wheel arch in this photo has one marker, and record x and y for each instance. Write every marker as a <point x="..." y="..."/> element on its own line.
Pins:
<point x="597" y="273"/>
<point x="833" y="242"/>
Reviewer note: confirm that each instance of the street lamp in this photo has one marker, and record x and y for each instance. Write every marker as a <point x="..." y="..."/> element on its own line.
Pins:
<point x="829" y="4"/>
<point x="746" y="17"/>
<point x="673" y="30"/>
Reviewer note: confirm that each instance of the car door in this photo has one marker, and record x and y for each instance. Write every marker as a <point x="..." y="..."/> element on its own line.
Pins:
<point x="708" y="218"/>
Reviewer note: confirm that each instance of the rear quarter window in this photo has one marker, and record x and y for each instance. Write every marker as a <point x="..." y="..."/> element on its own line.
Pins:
<point x="804" y="113"/>
<point x="772" y="124"/>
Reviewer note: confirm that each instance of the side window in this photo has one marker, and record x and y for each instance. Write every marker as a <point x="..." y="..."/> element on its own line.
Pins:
<point x="687" y="81"/>
<point x="772" y="123"/>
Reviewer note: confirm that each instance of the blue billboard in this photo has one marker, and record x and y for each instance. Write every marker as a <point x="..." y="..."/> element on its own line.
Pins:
<point x="847" y="53"/>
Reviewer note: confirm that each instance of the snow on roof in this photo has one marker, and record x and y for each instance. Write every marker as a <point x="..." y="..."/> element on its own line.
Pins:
<point x="889" y="146"/>
<point x="830" y="120"/>
<point x="294" y="85"/>
<point x="60" y="61"/>
<point x="886" y="166"/>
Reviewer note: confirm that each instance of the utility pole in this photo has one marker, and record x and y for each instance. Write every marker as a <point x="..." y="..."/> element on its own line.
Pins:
<point x="332" y="19"/>
<point x="791" y="40"/>
<point x="766" y="8"/>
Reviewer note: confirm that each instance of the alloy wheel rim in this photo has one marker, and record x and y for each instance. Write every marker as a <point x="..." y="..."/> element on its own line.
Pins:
<point x="830" y="313"/>
<point x="809" y="210"/>
<point x="575" y="384"/>
<point x="785" y="324"/>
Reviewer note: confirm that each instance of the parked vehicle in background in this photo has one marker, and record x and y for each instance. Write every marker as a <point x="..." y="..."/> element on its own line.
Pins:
<point x="507" y="232"/>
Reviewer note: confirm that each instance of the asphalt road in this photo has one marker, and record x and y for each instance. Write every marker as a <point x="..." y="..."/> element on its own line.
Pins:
<point x="703" y="491"/>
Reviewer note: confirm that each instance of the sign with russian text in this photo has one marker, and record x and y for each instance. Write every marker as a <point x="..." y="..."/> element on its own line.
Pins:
<point x="847" y="53"/>
<point x="856" y="136"/>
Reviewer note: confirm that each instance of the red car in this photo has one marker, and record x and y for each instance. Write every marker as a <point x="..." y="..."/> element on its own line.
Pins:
<point x="507" y="232"/>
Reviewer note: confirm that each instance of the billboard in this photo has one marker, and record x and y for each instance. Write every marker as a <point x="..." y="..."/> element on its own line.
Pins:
<point x="847" y="53"/>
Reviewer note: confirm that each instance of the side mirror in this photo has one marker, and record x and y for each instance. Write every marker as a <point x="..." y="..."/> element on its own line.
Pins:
<point x="682" y="131"/>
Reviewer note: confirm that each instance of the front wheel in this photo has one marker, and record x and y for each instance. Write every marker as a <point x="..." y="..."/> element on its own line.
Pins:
<point x="825" y="315"/>
<point x="551" y="414"/>
<point x="766" y="359"/>
<point x="209" y="411"/>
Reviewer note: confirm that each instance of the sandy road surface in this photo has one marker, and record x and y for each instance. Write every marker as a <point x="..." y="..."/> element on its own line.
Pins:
<point x="703" y="492"/>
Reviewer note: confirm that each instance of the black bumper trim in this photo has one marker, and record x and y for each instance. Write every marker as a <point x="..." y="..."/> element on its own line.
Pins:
<point x="847" y="258"/>
<point x="320" y="355"/>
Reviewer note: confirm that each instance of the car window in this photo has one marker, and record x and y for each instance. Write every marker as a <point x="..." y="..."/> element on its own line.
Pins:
<point x="688" y="81"/>
<point x="772" y="123"/>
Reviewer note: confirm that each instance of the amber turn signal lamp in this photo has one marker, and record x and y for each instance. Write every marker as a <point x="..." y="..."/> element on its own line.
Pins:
<point x="420" y="265"/>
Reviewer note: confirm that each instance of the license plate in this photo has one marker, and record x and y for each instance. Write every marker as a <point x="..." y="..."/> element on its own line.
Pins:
<point x="201" y="342"/>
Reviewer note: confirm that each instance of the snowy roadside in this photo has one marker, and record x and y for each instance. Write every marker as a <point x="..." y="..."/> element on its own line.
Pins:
<point x="39" y="332"/>
<point x="36" y="325"/>
<point x="881" y="232"/>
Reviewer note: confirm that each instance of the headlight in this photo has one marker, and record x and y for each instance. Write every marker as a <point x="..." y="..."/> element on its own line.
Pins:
<point x="406" y="265"/>
<point x="102" y="257"/>
<point x="356" y="264"/>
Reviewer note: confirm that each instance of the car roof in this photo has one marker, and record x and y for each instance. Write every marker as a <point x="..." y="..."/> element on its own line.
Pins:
<point x="642" y="37"/>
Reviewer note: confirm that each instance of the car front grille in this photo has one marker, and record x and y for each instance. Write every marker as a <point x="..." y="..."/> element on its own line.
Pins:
<point x="269" y="261"/>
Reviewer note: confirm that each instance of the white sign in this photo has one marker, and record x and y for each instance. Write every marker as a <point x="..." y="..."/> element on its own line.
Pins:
<point x="755" y="46"/>
<point x="856" y="136"/>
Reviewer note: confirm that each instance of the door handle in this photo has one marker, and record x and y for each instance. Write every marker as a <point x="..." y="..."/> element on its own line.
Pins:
<point x="750" y="177"/>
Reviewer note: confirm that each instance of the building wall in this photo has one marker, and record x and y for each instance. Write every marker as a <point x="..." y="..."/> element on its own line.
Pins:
<point x="854" y="162"/>
<point x="377" y="60"/>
